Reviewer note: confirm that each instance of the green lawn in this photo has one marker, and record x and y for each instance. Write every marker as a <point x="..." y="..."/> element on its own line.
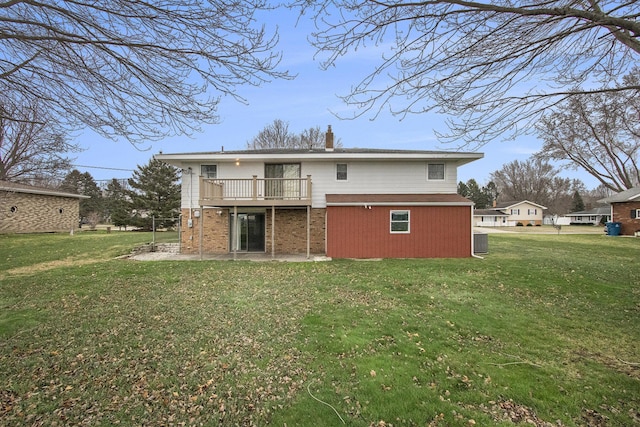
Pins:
<point x="545" y="328"/>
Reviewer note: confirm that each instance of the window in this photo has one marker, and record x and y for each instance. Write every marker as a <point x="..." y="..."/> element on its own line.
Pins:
<point x="209" y="171"/>
<point x="515" y="211"/>
<point x="435" y="171"/>
<point x="341" y="172"/>
<point x="399" y="222"/>
<point x="532" y="211"/>
<point x="635" y="214"/>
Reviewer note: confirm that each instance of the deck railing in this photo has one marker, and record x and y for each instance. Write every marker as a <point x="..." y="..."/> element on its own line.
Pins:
<point x="257" y="191"/>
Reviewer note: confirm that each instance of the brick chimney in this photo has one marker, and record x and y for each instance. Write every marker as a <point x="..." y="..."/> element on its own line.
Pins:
<point x="328" y="146"/>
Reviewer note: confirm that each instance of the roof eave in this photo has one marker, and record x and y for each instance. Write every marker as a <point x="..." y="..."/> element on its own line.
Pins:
<point x="44" y="192"/>
<point x="178" y="159"/>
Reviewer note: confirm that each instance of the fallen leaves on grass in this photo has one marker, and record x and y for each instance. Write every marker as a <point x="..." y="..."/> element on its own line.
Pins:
<point x="191" y="354"/>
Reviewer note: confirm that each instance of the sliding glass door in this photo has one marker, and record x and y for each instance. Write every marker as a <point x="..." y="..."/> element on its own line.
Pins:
<point x="283" y="181"/>
<point x="248" y="234"/>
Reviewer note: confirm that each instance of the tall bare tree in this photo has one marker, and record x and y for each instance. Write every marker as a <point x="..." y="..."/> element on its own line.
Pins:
<point x="536" y="180"/>
<point x="493" y="65"/>
<point x="133" y="68"/>
<point x="278" y="135"/>
<point x="274" y="135"/>
<point x="598" y="133"/>
<point x="32" y="148"/>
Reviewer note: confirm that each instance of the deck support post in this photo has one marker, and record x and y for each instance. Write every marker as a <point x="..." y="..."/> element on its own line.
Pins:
<point x="235" y="233"/>
<point x="308" y="231"/>
<point x="201" y="231"/>
<point x="273" y="231"/>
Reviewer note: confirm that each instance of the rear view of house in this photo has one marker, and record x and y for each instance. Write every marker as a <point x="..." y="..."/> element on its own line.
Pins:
<point x="345" y="203"/>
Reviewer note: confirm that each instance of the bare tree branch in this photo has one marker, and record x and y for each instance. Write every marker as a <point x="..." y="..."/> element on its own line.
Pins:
<point x="495" y="67"/>
<point x="133" y="68"/>
<point x="32" y="147"/>
<point x="277" y="135"/>
<point x="598" y="133"/>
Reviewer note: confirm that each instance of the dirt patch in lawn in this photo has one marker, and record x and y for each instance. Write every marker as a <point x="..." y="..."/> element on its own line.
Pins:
<point x="45" y="266"/>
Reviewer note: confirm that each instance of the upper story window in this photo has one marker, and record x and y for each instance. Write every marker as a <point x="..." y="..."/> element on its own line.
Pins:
<point x="435" y="171"/>
<point x="209" y="171"/>
<point x="399" y="222"/>
<point x="515" y="211"/>
<point x="341" y="171"/>
<point x="532" y="211"/>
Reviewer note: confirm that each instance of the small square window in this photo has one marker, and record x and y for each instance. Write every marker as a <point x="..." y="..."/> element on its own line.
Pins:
<point x="341" y="171"/>
<point x="435" y="171"/>
<point x="209" y="171"/>
<point x="399" y="222"/>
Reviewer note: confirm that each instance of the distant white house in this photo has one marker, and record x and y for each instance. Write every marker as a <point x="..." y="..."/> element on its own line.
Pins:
<point x="509" y="214"/>
<point x="595" y="216"/>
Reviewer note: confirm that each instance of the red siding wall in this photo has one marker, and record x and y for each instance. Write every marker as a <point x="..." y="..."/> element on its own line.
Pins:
<point x="436" y="232"/>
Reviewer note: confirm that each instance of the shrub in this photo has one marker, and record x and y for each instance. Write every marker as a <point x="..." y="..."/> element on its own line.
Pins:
<point x="519" y="224"/>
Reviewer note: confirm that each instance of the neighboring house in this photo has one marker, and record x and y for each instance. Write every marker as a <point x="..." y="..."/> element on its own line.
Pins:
<point x="344" y="203"/>
<point x="595" y="216"/>
<point x="509" y="214"/>
<point x="28" y="209"/>
<point x="625" y="209"/>
<point x="490" y="218"/>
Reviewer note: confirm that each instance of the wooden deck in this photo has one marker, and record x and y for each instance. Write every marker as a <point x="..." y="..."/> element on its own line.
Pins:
<point x="255" y="191"/>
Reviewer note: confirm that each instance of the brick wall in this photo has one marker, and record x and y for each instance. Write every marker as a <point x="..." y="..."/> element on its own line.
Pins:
<point x="215" y="232"/>
<point x="37" y="213"/>
<point x="622" y="214"/>
<point x="290" y="231"/>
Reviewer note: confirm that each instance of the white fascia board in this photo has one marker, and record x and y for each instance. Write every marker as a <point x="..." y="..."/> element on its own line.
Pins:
<point x="182" y="158"/>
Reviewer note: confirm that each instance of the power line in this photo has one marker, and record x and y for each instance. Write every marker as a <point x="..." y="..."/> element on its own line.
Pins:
<point x="102" y="167"/>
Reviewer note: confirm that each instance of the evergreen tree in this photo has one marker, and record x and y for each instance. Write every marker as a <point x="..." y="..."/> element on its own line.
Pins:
<point x="491" y="192"/>
<point x="577" y="204"/>
<point x="118" y="208"/>
<point x="155" y="193"/>
<point x="482" y="197"/>
<point x="83" y="183"/>
<point x="463" y="190"/>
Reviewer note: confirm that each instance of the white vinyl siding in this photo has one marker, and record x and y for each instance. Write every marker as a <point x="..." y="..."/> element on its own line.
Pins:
<point x="370" y="177"/>
<point x="364" y="177"/>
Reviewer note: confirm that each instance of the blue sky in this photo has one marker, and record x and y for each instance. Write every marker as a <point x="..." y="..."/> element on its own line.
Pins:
<point x="309" y="100"/>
